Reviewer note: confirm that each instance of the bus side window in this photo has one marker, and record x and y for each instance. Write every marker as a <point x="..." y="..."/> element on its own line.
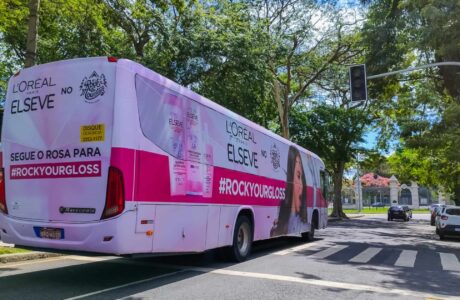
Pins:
<point x="325" y="185"/>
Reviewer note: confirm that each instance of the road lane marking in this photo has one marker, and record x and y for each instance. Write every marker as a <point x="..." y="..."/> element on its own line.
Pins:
<point x="366" y="255"/>
<point x="295" y="249"/>
<point x="406" y="259"/>
<point x="449" y="262"/>
<point x="315" y="282"/>
<point x="328" y="252"/>
<point x="126" y="285"/>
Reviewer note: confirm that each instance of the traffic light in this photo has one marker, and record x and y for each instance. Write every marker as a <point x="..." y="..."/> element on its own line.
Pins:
<point x="358" y="84"/>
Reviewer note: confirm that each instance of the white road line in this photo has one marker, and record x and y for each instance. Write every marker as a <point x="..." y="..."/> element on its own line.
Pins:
<point x="449" y="262"/>
<point x="315" y="282"/>
<point x="406" y="259"/>
<point x="295" y="249"/>
<point x="328" y="252"/>
<point x="366" y="255"/>
<point x="126" y="285"/>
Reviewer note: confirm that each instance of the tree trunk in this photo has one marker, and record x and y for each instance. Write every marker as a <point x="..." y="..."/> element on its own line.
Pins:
<point x="285" y="124"/>
<point x="32" y="34"/>
<point x="337" y="210"/>
<point x="457" y="194"/>
<point x="283" y="109"/>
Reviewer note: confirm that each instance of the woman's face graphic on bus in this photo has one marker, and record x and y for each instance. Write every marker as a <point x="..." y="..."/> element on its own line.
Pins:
<point x="298" y="186"/>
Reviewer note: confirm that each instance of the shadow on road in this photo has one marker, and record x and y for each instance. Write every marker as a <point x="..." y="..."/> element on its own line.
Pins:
<point x="137" y="275"/>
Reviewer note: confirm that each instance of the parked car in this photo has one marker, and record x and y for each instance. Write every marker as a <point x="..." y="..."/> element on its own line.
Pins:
<point x="435" y="210"/>
<point x="408" y="210"/>
<point x="378" y="204"/>
<point x="433" y="206"/>
<point x="399" y="212"/>
<point x="448" y="221"/>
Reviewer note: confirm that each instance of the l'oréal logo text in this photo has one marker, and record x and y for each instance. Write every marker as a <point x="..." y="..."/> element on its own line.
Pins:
<point x="32" y="85"/>
<point x="239" y="132"/>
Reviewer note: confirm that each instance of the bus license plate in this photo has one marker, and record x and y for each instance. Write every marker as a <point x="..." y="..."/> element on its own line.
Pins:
<point x="52" y="233"/>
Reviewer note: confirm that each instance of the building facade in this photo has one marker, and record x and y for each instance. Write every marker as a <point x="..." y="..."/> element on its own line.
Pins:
<point x="383" y="191"/>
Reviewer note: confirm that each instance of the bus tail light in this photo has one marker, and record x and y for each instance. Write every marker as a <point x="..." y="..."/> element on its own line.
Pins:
<point x="115" y="197"/>
<point x="3" y="207"/>
<point x="444" y="218"/>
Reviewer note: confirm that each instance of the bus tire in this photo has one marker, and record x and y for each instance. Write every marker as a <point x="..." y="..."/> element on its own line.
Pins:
<point x="309" y="235"/>
<point x="242" y="239"/>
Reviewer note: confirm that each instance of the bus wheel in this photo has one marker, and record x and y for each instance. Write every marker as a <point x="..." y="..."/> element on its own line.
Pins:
<point x="242" y="239"/>
<point x="310" y="235"/>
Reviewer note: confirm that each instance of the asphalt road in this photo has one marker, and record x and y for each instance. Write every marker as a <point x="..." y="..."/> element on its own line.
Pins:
<point x="365" y="258"/>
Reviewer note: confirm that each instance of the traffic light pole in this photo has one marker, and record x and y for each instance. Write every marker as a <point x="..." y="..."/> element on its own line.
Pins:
<point x="447" y="63"/>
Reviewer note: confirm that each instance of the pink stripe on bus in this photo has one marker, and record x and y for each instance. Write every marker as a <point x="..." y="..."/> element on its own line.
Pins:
<point x="228" y="186"/>
<point x="152" y="177"/>
<point x="320" y="202"/>
<point x="310" y="194"/>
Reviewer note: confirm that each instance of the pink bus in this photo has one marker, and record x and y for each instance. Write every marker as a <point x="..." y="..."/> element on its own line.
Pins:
<point x="104" y="155"/>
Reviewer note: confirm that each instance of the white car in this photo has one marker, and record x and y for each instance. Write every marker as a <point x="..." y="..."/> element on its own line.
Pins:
<point x="448" y="221"/>
<point x="434" y="206"/>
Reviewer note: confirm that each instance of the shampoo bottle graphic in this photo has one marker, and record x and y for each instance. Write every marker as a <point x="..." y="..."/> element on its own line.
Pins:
<point x="194" y="184"/>
<point x="209" y="164"/>
<point x="176" y="135"/>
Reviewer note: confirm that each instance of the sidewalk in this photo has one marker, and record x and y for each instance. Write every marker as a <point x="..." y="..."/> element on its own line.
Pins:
<point x="15" y="257"/>
<point x="2" y="244"/>
<point x="350" y="216"/>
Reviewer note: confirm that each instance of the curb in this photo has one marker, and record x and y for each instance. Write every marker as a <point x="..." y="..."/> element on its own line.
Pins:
<point x="349" y="217"/>
<point x="9" y="258"/>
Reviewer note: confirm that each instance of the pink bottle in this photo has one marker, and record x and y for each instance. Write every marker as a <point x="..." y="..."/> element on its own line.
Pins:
<point x="209" y="167"/>
<point x="194" y="183"/>
<point x="176" y="134"/>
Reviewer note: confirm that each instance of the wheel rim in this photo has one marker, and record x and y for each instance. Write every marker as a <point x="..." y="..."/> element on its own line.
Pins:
<point x="243" y="239"/>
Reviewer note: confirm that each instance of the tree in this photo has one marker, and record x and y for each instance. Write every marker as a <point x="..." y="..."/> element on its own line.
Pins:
<point x="334" y="133"/>
<point x="31" y="48"/>
<point x="233" y="73"/>
<point x="411" y="164"/>
<point x="375" y="162"/>
<point x="141" y="20"/>
<point x="304" y="39"/>
<point x="67" y="29"/>
<point x="420" y="32"/>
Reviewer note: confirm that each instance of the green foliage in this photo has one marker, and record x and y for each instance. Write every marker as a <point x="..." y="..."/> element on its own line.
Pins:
<point x="334" y="133"/>
<point x="409" y="164"/>
<point x="425" y="113"/>
<point x="12" y="250"/>
<point x="234" y="72"/>
<point x="375" y="162"/>
<point x="213" y="47"/>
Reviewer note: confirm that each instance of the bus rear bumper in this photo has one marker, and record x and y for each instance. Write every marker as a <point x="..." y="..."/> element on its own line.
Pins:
<point x="113" y="236"/>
